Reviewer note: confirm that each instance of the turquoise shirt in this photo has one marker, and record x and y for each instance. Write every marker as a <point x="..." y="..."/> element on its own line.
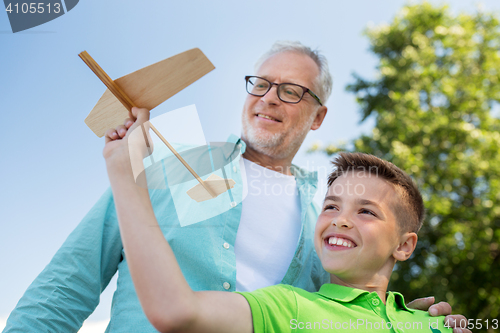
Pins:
<point x="67" y="291"/>
<point x="335" y="308"/>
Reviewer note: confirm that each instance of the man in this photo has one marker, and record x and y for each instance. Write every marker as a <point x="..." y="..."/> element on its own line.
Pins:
<point x="229" y="251"/>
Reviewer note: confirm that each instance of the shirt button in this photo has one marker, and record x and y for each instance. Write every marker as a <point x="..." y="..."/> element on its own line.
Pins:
<point x="375" y="302"/>
<point x="226" y="246"/>
<point x="235" y="169"/>
<point x="238" y="146"/>
<point x="226" y="285"/>
<point x="233" y="204"/>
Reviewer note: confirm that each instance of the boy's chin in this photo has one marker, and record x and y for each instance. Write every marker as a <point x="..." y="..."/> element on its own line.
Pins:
<point x="340" y="275"/>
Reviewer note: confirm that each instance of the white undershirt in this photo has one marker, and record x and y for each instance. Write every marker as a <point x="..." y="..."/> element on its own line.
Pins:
<point x="269" y="228"/>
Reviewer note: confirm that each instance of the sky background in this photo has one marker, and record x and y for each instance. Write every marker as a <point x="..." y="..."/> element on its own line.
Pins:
<point x="52" y="170"/>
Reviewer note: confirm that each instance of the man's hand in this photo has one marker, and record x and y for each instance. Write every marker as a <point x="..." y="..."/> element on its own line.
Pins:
<point x="440" y="309"/>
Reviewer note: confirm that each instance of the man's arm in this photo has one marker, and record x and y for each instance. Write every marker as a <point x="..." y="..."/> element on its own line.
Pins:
<point x="440" y="309"/>
<point x="67" y="291"/>
<point x="166" y="298"/>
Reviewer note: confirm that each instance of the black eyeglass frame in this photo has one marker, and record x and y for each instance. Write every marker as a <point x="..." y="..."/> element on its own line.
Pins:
<point x="271" y="84"/>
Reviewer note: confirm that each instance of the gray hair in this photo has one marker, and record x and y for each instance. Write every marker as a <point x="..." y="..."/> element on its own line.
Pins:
<point x="324" y="81"/>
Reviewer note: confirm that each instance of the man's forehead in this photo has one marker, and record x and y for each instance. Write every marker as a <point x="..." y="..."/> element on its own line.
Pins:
<point x="290" y="67"/>
<point x="282" y="78"/>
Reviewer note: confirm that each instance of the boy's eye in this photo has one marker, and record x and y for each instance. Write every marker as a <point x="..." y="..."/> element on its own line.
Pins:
<point x="327" y="207"/>
<point x="366" y="211"/>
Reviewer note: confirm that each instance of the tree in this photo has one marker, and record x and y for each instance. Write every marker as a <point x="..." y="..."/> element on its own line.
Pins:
<point x="434" y="100"/>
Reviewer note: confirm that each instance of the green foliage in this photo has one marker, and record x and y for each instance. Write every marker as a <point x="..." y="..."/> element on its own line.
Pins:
<point x="435" y="99"/>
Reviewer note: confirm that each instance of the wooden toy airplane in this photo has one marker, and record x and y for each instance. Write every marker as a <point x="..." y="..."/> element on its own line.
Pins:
<point x="147" y="88"/>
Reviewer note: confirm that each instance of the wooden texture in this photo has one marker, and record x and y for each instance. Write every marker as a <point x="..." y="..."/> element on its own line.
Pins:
<point x="217" y="184"/>
<point x="112" y="86"/>
<point x="172" y="149"/>
<point x="148" y="87"/>
<point x="127" y="103"/>
<point x="115" y="90"/>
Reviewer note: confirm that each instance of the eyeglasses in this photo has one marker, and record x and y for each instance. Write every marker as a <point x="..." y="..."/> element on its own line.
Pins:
<point x="287" y="92"/>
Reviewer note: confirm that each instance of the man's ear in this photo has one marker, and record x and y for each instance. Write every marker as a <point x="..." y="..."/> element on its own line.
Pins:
<point x="407" y="244"/>
<point x="320" y="115"/>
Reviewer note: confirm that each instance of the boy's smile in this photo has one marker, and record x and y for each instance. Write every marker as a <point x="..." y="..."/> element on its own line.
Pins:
<point x="337" y="242"/>
<point x="357" y="233"/>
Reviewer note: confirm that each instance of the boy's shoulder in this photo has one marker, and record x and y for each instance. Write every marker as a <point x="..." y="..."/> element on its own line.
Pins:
<point x="284" y="307"/>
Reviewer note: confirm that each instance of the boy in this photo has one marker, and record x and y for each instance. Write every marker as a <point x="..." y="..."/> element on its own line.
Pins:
<point x="369" y="221"/>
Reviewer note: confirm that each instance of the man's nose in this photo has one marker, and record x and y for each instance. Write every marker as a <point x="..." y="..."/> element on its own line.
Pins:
<point x="271" y="97"/>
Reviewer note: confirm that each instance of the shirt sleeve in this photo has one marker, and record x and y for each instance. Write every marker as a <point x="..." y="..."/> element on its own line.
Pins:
<point x="274" y="308"/>
<point x="67" y="291"/>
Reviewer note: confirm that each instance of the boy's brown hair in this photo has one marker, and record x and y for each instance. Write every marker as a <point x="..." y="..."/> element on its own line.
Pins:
<point x="409" y="210"/>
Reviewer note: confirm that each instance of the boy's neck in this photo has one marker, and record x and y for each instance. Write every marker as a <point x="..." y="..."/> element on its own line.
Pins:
<point x="377" y="283"/>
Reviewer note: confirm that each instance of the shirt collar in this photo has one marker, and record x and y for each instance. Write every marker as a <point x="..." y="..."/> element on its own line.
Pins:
<point x="400" y="301"/>
<point x="305" y="177"/>
<point x="344" y="294"/>
<point x="339" y="293"/>
<point x="301" y="175"/>
<point x="238" y="145"/>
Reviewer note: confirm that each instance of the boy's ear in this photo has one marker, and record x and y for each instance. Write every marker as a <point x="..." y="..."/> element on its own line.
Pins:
<point x="407" y="244"/>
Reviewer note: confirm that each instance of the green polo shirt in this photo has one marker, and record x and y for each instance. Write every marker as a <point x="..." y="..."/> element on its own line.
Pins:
<point x="284" y="308"/>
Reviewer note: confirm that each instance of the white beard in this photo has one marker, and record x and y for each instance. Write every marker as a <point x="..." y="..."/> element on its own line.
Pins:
<point x="274" y="145"/>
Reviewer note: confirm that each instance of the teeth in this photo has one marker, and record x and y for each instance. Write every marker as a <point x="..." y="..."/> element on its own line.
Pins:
<point x="267" y="117"/>
<point x="340" y="242"/>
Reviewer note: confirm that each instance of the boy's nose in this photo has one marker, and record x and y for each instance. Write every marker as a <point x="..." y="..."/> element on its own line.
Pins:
<point x="341" y="222"/>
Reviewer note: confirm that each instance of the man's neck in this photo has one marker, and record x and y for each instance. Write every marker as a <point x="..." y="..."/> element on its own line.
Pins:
<point x="278" y="165"/>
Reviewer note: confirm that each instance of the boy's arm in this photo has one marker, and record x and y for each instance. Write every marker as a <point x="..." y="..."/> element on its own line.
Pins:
<point x="166" y="298"/>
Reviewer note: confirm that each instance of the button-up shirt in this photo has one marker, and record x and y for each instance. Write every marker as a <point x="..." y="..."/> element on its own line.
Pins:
<point x="67" y="291"/>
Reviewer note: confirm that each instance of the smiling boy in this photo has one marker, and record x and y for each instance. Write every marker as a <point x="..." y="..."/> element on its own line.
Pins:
<point x="368" y="222"/>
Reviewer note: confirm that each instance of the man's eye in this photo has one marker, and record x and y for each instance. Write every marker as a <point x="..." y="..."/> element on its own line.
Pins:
<point x="291" y="92"/>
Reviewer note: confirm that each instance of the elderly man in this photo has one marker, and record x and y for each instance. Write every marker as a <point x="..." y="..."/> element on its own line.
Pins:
<point x="244" y="248"/>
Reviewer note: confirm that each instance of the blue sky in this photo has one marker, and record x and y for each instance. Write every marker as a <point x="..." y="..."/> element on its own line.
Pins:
<point x="52" y="167"/>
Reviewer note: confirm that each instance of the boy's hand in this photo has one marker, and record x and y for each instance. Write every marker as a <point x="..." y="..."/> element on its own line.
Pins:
<point x="120" y="142"/>
<point x="440" y="309"/>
